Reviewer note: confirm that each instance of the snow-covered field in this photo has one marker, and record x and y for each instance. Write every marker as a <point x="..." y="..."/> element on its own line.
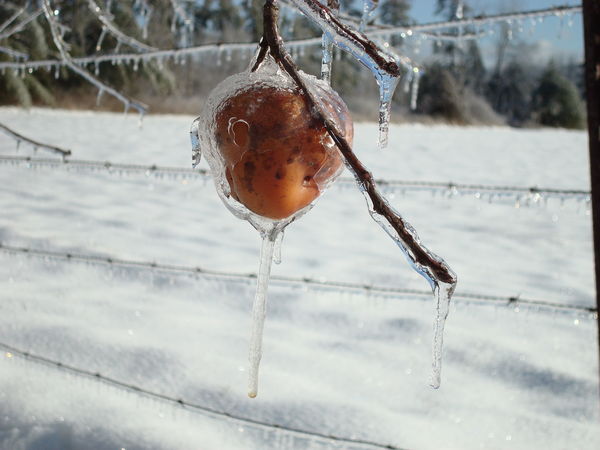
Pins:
<point x="335" y="362"/>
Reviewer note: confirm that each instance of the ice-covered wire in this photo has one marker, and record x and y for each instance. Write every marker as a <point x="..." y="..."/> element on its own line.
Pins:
<point x="19" y="26"/>
<point x="68" y="61"/>
<point x="12" y="352"/>
<point x="480" y="20"/>
<point x="108" y="24"/>
<point x="367" y="289"/>
<point x="20" y="138"/>
<point x="210" y="49"/>
<point x="441" y="186"/>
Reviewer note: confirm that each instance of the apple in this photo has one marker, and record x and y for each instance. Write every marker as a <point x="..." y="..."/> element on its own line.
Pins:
<point x="277" y="157"/>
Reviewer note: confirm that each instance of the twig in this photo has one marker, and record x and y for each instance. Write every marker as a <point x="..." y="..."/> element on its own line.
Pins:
<point x="430" y="265"/>
<point x="19" y="137"/>
<point x="18" y="27"/>
<point x="68" y="61"/>
<point x="13" y="53"/>
<point x="118" y="34"/>
<point x="11" y="19"/>
<point x="346" y="38"/>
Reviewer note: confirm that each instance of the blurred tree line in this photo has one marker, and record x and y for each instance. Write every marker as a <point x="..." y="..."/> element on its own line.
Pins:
<point x="456" y="85"/>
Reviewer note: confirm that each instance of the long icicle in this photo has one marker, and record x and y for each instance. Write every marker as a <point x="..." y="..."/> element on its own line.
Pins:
<point x="327" y="44"/>
<point x="259" y="309"/>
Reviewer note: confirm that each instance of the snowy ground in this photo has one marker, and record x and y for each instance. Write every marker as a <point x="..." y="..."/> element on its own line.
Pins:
<point x="335" y="362"/>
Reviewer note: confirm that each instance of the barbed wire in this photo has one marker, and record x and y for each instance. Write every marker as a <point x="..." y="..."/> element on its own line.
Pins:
<point x="180" y="54"/>
<point x="11" y="352"/>
<point x="453" y="188"/>
<point x="369" y="289"/>
<point x="18" y="137"/>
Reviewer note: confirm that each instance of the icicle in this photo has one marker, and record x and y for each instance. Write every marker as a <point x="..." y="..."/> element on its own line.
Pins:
<point x="327" y="58"/>
<point x="369" y="7"/>
<point x="442" y="293"/>
<point x="259" y="309"/>
<point x="387" y="86"/>
<point x="414" y="92"/>
<point x="408" y="80"/>
<point x="56" y="72"/>
<point x="196" y="150"/>
<point x="99" y="96"/>
<point x="101" y="39"/>
<point x="277" y="249"/>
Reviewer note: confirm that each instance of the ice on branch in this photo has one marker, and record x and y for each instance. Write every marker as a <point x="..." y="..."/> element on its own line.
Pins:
<point x="18" y="27"/>
<point x="11" y="19"/>
<point x="20" y="138"/>
<point x="68" y="61"/>
<point x="181" y="15"/>
<point x="106" y="19"/>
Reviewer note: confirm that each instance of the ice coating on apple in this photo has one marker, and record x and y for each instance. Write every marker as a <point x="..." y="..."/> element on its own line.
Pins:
<point x="270" y="158"/>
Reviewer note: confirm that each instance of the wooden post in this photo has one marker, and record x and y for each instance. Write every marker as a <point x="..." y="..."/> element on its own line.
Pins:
<point x="591" y="30"/>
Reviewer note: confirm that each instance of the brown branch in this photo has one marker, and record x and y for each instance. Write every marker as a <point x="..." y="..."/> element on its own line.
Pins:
<point x="19" y="137"/>
<point x="437" y="268"/>
<point x="322" y="14"/>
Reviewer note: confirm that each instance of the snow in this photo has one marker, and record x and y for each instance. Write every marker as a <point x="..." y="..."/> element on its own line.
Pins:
<point x="334" y="362"/>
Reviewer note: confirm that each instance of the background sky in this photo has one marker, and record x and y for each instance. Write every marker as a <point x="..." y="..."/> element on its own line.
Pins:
<point x="554" y="38"/>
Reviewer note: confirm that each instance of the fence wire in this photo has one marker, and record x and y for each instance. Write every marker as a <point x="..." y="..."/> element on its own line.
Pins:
<point x="366" y="289"/>
<point x="11" y="352"/>
<point x="535" y="192"/>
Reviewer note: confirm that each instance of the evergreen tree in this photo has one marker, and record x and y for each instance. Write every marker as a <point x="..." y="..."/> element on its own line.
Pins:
<point x="556" y="102"/>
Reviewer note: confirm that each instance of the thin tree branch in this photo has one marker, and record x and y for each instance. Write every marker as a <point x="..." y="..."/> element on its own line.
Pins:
<point x="14" y="53"/>
<point x="348" y="39"/>
<point x="11" y="19"/>
<point x="19" y="137"/>
<point x="68" y="61"/>
<point x="426" y="262"/>
<point x="18" y="27"/>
